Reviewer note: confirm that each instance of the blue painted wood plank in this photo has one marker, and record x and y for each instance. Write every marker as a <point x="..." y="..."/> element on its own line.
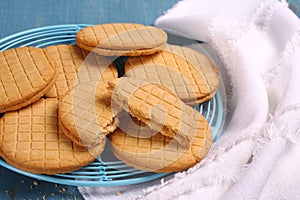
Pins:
<point x="295" y="6"/>
<point x="18" y="15"/>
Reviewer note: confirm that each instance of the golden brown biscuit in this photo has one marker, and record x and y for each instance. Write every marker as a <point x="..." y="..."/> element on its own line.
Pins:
<point x="77" y="65"/>
<point x="121" y="39"/>
<point x="85" y="113"/>
<point x="25" y="75"/>
<point x="31" y="140"/>
<point x="157" y="107"/>
<point x="191" y="75"/>
<point x="136" y="145"/>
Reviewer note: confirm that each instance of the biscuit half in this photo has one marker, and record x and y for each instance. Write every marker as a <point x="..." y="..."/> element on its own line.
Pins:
<point x="121" y="39"/>
<point x="136" y="145"/>
<point x="25" y="75"/>
<point x="77" y="66"/>
<point x="188" y="73"/>
<point x="85" y="113"/>
<point x="31" y="140"/>
<point x="158" y="107"/>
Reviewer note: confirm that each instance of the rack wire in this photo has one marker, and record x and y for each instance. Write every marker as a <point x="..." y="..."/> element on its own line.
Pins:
<point x="106" y="170"/>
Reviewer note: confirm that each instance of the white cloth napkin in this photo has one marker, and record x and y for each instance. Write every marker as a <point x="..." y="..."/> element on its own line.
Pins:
<point x="257" y="157"/>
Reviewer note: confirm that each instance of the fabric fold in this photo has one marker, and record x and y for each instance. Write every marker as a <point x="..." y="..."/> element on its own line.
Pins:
<point x="257" y="43"/>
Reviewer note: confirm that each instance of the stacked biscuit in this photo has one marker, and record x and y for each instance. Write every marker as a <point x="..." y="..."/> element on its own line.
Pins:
<point x="62" y="103"/>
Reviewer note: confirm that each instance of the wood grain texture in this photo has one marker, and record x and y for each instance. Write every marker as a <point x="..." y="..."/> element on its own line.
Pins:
<point x="19" y="15"/>
<point x="294" y="5"/>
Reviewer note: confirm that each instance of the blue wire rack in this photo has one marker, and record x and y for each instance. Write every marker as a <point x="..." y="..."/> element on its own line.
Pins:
<point x="106" y="170"/>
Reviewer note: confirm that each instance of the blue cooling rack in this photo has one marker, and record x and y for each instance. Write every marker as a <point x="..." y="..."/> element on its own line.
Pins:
<point x="106" y="170"/>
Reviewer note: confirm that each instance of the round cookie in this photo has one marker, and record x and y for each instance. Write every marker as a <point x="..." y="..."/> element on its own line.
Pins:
<point x="157" y="153"/>
<point x="31" y="140"/>
<point x="121" y="39"/>
<point x="25" y="75"/>
<point x="77" y="65"/>
<point x="203" y="65"/>
<point x="190" y="74"/>
<point x="85" y="113"/>
<point x="158" y="107"/>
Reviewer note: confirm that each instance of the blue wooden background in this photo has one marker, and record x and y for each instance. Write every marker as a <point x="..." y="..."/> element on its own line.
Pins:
<point x="19" y="15"/>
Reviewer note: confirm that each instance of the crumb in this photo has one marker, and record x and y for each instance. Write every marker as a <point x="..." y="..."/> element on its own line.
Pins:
<point x="118" y="193"/>
<point x="7" y="192"/>
<point x="22" y="181"/>
<point x="62" y="190"/>
<point x="31" y="186"/>
<point x="52" y="194"/>
<point x="44" y="197"/>
<point x="55" y="185"/>
<point x="36" y="183"/>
